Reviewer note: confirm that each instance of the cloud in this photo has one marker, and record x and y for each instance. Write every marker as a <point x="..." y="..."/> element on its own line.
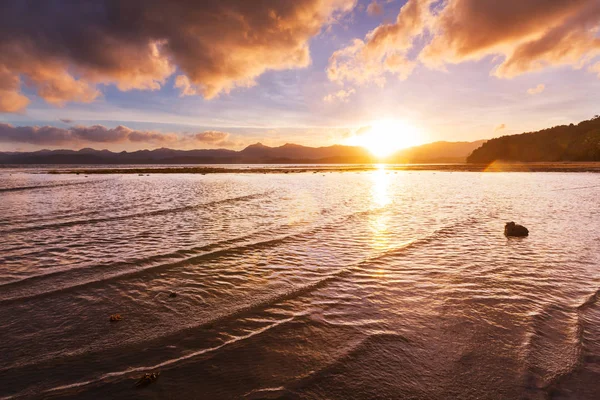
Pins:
<point x="186" y="88"/>
<point x="64" y="49"/>
<point x="10" y="98"/>
<point x="212" y="137"/>
<point x="537" y="90"/>
<point x="374" y="8"/>
<point x="152" y="137"/>
<point x="595" y="69"/>
<point x="80" y="135"/>
<point x="471" y="29"/>
<point x="526" y="35"/>
<point x="500" y="127"/>
<point x="384" y="49"/>
<point x="341" y="95"/>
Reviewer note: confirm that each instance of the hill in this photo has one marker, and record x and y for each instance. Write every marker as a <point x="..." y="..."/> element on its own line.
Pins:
<point x="254" y="154"/>
<point x="437" y="152"/>
<point x="579" y="142"/>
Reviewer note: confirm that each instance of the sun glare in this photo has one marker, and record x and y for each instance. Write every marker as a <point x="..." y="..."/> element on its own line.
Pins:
<point x="385" y="137"/>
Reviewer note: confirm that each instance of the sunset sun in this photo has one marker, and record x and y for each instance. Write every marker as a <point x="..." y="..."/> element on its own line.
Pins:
<point x="385" y="137"/>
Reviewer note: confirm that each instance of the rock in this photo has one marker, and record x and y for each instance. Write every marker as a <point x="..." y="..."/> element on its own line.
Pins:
<point x="115" y="317"/>
<point x="147" y="379"/>
<point x="172" y="294"/>
<point x="513" y="230"/>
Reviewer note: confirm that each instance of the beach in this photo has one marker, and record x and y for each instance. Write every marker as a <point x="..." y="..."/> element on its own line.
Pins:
<point x="307" y="282"/>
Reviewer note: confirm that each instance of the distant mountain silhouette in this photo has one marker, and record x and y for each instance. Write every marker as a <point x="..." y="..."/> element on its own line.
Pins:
<point x="562" y="143"/>
<point x="439" y="152"/>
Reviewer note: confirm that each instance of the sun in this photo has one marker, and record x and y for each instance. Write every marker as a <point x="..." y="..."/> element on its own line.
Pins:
<point x="384" y="137"/>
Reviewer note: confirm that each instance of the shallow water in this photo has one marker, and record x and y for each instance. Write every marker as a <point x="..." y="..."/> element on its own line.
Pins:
<point x="355" y="285"/>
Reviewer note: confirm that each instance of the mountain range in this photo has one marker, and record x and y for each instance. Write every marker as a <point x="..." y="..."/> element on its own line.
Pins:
<point x="572" y="142"/>
<point x="438" y="152"/>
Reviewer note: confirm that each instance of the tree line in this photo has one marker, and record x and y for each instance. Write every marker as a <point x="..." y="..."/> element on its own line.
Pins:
<point x="579" y="142"/>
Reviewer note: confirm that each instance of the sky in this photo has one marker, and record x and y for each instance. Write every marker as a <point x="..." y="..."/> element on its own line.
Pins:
<point x="146" y="74"/>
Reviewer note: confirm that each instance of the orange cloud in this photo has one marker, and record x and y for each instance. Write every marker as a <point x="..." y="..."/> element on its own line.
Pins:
<point x="375" y="8"/>
<point x="537" y="90"/>
<point x="595" y="69"/>
<point x="529" y="35"/>
<point x="10" y="98"/>
<point x="211" y="137"/>
<point x="384" y="49"/>
<point x="57" y="86"/>
<point x="341" y="95"/>
<point x="186" y="88"/>
<point x="500" y="127"/>
<point x="12" y="101"/>
<point x="63" y="50"/>
<point x="471" y="29"/>
<point x="571" y="40"/>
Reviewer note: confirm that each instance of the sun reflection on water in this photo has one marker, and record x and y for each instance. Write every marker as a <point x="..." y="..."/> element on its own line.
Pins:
<point x="381" y="183"/>
<point x="379" y="222"/>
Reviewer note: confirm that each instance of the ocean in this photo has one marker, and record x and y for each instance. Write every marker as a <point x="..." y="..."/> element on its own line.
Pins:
<point x="378" y="284"/>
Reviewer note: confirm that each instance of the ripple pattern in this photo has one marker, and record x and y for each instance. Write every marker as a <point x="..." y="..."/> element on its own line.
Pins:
<point x="348" y="285"/>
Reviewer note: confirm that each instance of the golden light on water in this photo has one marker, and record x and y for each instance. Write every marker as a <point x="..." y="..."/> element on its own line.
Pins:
<point x="381" y="183"/>
<point x="380" y="196"/>
<point x="385" y="137"/>
<point x="500" y="166"/>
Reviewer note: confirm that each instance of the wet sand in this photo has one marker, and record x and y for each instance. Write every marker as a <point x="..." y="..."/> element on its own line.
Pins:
<point x="345" y="286"/>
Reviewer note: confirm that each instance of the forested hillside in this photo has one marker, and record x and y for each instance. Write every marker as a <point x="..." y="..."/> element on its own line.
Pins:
<point x="579" y="142"/>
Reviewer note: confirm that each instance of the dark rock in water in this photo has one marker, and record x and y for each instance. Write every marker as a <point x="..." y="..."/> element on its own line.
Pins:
<point x="513" y="230"/>
<point x="147" y="379"/>
<point x="172" y="294"/>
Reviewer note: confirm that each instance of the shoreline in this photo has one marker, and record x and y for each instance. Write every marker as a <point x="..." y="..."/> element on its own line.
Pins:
<point x="496" y="167"/>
